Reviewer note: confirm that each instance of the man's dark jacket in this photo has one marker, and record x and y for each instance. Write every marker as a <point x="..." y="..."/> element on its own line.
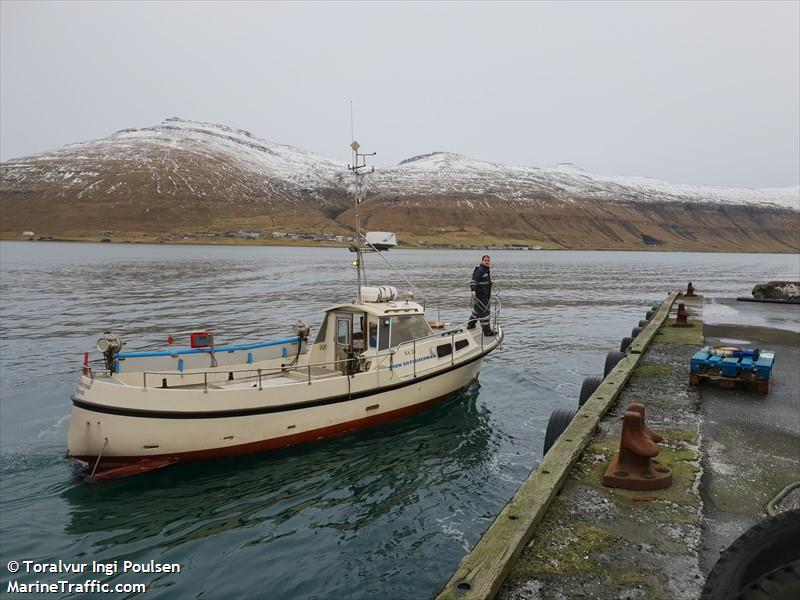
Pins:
<point x="481" y="284"/>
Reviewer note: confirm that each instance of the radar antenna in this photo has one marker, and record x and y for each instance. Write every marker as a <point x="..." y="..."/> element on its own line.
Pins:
<point x="359" y="169"/>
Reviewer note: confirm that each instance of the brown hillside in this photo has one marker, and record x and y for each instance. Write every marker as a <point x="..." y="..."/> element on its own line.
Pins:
<point x="587" y="224"/>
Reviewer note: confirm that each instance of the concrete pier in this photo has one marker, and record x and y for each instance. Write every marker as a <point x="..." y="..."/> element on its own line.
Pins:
<point x="565" y="535"/>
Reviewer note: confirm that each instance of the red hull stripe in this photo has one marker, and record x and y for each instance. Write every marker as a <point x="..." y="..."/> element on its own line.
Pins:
<point x="275" y="443"/>
<point x="244" y="412"/>
<point x="130" y="470"/>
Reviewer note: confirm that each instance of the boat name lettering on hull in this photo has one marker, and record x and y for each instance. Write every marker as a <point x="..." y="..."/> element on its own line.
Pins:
<point x="405" y="363"/>
<point x="83" y="387"/>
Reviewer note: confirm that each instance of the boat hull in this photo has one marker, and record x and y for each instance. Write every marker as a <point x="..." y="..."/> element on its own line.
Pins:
<point x="183" y="436"/>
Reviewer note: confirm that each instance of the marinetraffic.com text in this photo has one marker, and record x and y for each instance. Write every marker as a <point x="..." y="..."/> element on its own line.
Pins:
<point x="61" y="577"/>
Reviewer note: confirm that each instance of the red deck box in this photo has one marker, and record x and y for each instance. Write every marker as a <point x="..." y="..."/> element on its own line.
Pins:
<point x="202" y="339"/>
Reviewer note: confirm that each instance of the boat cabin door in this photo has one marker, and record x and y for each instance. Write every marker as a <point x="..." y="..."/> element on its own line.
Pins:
<point x="343" y="338"/>
<point x="349" y="341"/>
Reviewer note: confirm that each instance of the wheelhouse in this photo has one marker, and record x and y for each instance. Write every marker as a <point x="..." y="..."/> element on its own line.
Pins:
<point x="351" y="333"/>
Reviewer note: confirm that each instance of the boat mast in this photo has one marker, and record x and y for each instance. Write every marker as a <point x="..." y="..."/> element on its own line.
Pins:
<point x="359" y="169"/>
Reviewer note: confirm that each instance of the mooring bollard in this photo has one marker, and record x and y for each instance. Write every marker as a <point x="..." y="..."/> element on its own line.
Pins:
<point x="633" y="467"/>
<point x="637" y="407"/>
<point x="681" y="320"/>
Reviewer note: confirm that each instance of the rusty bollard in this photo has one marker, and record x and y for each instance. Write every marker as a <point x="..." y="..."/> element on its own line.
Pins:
<point x="639" y="408"/>
<point x="633" y="467"/>
<point x="690" y="290"/>
<point x="682" y="319"/>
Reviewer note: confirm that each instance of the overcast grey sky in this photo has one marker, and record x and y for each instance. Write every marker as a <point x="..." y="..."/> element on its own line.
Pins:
<point x="688" y="92"/>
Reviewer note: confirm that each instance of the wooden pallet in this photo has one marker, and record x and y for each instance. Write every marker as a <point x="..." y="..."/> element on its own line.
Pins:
<point x="744" y="380"/>
<point x="732" y="369"/>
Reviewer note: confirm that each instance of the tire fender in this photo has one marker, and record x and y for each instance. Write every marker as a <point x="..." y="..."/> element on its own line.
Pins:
<point x="612" y="358"/>
<point x="560" y="418"/>
<point x="588" y="387"/>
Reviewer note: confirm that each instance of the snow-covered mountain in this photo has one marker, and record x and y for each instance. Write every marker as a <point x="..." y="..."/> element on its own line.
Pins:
<point x="446" y="173"/>
<point x="184" y="173"/>
<point x="177" y="158"/>
<point x="152" y="150"/>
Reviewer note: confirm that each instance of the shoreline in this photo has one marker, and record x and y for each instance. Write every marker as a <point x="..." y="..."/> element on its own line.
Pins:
<point x="325" y="244"/>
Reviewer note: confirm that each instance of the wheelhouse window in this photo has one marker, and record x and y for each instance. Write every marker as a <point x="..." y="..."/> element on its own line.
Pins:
<point x="409" y="327"/>
<point x="343" y="332"/>
<point x="358" y="333"/>
<point x="384" y="326"/>
<point x="373" y="334"/>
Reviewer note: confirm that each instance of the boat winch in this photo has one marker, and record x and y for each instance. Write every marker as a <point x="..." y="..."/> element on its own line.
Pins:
<point x="110" y="345"/>
<point x="302" y="330"/>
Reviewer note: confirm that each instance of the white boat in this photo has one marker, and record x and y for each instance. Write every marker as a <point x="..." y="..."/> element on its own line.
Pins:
<point x="375" y="359"/>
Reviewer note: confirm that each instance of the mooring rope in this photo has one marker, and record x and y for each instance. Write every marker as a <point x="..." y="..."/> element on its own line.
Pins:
<point x="97" y="462"/>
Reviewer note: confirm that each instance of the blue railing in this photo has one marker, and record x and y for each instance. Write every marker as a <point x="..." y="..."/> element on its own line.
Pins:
<point x="209" y="350"/>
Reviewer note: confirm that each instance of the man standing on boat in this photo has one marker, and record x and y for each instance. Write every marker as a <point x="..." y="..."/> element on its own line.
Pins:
<point x="481" y="287"/>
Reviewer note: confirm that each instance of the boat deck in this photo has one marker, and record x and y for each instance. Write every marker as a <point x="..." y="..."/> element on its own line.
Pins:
<point x="286" y="377"/>
<point x="278" y="379"/>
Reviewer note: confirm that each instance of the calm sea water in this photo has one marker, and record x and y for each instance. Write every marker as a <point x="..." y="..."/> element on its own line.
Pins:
<point x="384" y="513"/>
